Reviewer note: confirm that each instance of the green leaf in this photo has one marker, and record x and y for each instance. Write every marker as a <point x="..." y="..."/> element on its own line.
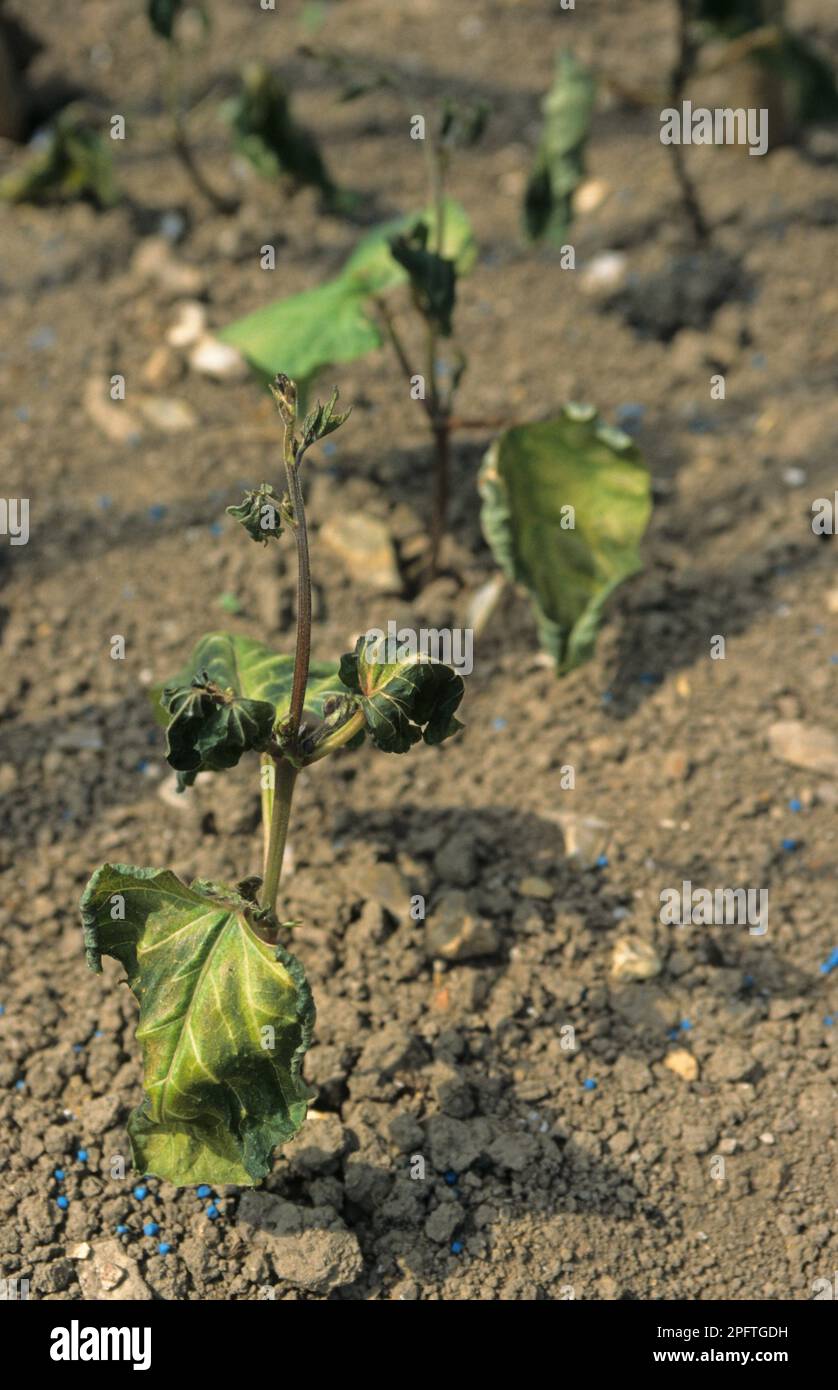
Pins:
<point x="559" y="164"/>
<point x="404" y="697"/>
<point x="217" y="1099"/>
<point x="265" y="132"/>
<point x="322" y="421"/>
<point x="529" y="478"/>
<point x="211" y="727"/>
<point x="75" y="162"/>
<point x="332" y="323"/>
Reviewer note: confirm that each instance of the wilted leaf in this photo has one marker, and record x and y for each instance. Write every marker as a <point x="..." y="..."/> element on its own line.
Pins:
<point x="266" y="133"/>
<point x="224" y="1022"/>
<point x="75" y="162"/>
<point x="333" y="322"/>
<point x="210" y="727"/>
<point x="433" y="279"/>
<point x="530" y="478"/>
<point x="260" y="513"/>
<point x="404" y="697"/>
<point x="162" y="15"/>
<point x="251" y="672"/>
<point x="559" y="166"/>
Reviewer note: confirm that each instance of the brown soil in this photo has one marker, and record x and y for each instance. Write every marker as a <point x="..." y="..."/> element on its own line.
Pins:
<point x="534" y="1185"/>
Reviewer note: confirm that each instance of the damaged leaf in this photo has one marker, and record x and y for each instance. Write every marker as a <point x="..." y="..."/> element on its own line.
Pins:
<point x="260" y="513"/>
<point x="210" y="728"/>
<point x="404" y="697"/>
<point x="224" y="1022"/>
<point x="565" y="505"/>
<point x="433" y="279"/>
<point x="559" y="164"/>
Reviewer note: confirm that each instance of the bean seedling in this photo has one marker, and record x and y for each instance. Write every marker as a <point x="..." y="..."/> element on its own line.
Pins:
<point x="225" y="1011"/>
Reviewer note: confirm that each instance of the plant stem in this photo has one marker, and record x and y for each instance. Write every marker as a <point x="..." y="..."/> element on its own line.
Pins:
<point x="442" y="468"/>
<point x="286" y="773"/>
<point x="339" y="738"/>
<point x="302" y="656"/>
<point x="684" y="66"/>
<point x="286" y="776"/>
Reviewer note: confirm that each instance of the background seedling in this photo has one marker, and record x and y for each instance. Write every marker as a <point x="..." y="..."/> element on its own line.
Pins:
<point x="226" y="1013"/>
<point x="266" y="134"/>
<point x="163" y="16"/>
<point x="73" y="161"/>
<point x="559" y="165"/>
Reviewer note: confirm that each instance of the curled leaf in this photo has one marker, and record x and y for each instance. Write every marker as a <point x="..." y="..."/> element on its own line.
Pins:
<point x="251" y="672"/>
<point x="433" y="278"/>
<point x="260" y="513"/>
<point x="74" y="161"/>
<point x="265" y="132"/>
<point x="162" y="15"/>
<point x="224" y="1022"/>
<point x="565" y="505"/>
<point x="210" y="728"/>
<point x="404" y="697"/>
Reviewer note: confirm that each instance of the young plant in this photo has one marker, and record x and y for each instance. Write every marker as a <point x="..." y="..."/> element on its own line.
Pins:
<point x="267" y="135"/>
<point x="560" y="161"/>
<point x="351" y="315"/>
<point x="72" y="161"/>
<point x="163" y="16"/>
<point x="225" y="1012"/>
